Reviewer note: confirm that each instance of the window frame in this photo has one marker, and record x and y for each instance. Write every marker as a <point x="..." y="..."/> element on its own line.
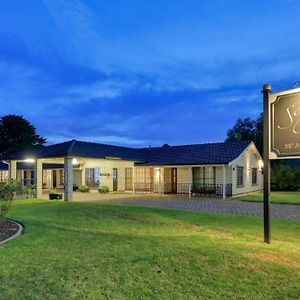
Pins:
<point x="239" y="176"/>
<point x="252" y="173"/>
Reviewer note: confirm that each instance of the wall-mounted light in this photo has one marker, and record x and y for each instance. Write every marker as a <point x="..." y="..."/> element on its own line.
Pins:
<point x="74" y="161"/>
<point x="261" y="164"/>
<point x="29" y="160"/>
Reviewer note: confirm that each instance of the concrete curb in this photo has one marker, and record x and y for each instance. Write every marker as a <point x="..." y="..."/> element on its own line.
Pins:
<point x="18" y="233"/>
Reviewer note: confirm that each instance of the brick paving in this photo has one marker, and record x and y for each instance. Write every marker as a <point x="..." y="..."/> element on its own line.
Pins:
<point x="278" y="211"/>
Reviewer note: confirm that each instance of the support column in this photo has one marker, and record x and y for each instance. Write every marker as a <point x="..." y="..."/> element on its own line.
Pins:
<point x="190" y="182"/>
<point x="83" y="176"/>
<point x="38" y="178"/>
<point x="133" y="180"/>
<point x="13" y="169"/>
<point x="159" y="182"/>
<point x="68" y="179"/>
<point x="224" y="182"/>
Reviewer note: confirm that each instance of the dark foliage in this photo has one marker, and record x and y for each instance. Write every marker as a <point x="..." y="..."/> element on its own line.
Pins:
<point x="17" y="134"/>
<point x="247" y="129"/>
<point x="285" y="178"/>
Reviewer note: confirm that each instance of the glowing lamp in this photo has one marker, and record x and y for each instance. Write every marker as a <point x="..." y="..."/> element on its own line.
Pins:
<point x="29" y="160"/>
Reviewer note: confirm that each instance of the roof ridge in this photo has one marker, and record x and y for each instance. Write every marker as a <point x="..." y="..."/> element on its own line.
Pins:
<point x="103" y="144"/>
<point x="198" y="144"/>
<point x="73" y="142"/>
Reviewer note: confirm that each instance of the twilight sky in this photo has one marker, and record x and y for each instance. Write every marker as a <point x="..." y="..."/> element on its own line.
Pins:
<point x="144" y="72"/>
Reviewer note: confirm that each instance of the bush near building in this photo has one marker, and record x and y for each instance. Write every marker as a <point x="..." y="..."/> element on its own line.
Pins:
<point x="285" y="178"/>
<point x="7" y="190"/>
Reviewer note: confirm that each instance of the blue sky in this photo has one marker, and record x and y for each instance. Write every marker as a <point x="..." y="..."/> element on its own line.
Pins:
<point x="141" y="72"/>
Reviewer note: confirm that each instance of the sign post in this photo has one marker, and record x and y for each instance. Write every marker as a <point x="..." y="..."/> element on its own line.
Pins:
<point x="281" y="137"/>
<point x="267" y="221"/>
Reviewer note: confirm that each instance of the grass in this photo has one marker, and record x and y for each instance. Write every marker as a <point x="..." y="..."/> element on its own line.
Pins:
<point x="276" y="197"/>
<point x="93" y="251"/>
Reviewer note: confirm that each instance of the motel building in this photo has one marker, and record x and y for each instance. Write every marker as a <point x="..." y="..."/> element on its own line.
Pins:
<point x="208" y="170"/>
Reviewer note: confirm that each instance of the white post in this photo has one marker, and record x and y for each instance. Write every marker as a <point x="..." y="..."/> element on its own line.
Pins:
<point x="158" y="182"/>
<point x="13" y="169"/>
<point x="190" y="182"/>
<point x="133" y="180"/>
<point x="68" y="179"/>
<point x="224" y="182"/>
<point x="38" y="178"/>
<point x="161" y="180"/>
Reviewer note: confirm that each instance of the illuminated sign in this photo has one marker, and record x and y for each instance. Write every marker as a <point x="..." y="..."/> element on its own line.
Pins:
<point x="285" y="124"/>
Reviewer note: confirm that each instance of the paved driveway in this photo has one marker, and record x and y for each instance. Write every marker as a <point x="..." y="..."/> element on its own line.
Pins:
<point x="279" y="211"/>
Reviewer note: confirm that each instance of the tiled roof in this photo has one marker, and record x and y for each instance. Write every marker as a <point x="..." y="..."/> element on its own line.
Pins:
<point x="212" y="153"/>
<point x="197" y="154"/>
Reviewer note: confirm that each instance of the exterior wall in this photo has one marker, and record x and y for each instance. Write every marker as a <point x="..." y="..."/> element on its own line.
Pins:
<point x="182" y="180"/>
<point x="77" y="177"/>
<point x="158" y="180"/>
<point x="167" y="179"/>
<point x="106" y="169"/>
<point x="47" y="179"/>
<point x="182" y="175"/>
<point x="3" y="175"/>
<point x="248" y="159"/>
<point x="228" y="174"/>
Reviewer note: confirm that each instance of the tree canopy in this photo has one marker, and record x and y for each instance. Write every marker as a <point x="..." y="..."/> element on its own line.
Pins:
<point x="17" y="134"/>
<point x="247" y="129"/>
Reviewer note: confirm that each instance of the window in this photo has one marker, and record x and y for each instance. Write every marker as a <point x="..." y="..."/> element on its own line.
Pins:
<point x="92" y="177"/>
<point x="254" y="176"/>
<point x="240" y="177"/>
<point x="61" y="177"/>
<point x="128" y="179"/>
<point x="144" y="179"/>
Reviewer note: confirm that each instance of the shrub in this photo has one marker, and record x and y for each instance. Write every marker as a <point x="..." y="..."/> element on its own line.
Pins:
<point x="103" y="189"/>
<point x="83" y="188"/>
<point x="7" y="190"/>
<point x="285" y="178"/>
<point x="53" y="191"/>
<point x="28" y="191"/>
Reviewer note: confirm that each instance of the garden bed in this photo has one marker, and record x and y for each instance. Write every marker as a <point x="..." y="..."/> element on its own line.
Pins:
<point x="8" y="229"/>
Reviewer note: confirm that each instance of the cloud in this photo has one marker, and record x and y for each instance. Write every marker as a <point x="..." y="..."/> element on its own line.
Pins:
<point x="145" y="73"/>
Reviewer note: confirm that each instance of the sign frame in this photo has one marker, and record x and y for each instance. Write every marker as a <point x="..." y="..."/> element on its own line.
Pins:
<point x="269" y="101"/>
<point x="273" y="99"/>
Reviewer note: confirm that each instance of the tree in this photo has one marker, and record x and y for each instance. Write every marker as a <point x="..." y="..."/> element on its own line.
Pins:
<point x="285" y="178"/>
<point x="247" y="129"/>
<point x="17" y="134"/>
<point x="259" y="138"/>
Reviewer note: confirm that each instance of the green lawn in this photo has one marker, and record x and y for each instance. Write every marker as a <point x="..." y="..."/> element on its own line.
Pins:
<point x="92" y="251"/>
<point x="276" y="197"/>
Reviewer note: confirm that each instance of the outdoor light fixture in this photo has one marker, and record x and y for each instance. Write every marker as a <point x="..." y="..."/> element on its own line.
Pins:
<point x="29" y="160"/>
<point x="261" y="164"/>
<point x="74" y="161"/>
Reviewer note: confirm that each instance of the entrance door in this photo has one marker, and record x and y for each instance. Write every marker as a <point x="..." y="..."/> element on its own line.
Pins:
<point x="54" y="179"/>
<point x="174" y="180"/>
<point x="115" y="179"/>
